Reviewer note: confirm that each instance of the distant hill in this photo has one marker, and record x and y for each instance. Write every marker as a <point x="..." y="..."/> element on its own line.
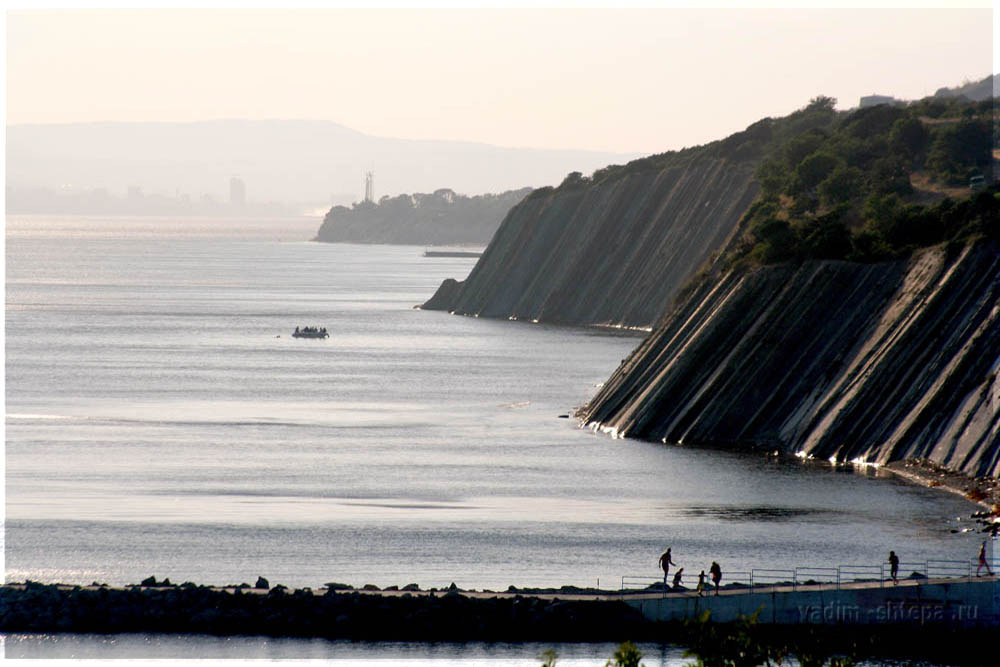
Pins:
<point x="319" y="162"/>
<point x="441" y="218"/>
<point x="977" y="91"/>
<point x="974" y="91"/>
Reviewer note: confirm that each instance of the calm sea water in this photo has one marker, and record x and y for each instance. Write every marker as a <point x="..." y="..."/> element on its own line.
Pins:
<point x="145" y="647"/>
<point x="370" y="654"/>
<point x="160" y="420"/>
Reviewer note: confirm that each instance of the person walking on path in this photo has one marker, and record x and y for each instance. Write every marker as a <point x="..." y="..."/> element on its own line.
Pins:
<point x="701" y="583"/>
<point x="894" y="567"/>
<point x="716" y="573"/>
<point x="665" y="563"/>
<point x="983" y="562"/>
<point x="677" y="577"/>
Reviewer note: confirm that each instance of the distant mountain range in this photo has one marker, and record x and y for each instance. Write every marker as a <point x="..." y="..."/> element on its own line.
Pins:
<point x="319" y="162"/>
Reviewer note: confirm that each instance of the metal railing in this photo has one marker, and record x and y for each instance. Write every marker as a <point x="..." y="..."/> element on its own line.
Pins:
<point x="851" y="574"/>
<point x="817" y="576"/>
<point x="759" y="579"/>
<point x="771" y="577"/>
<point x="946" y="569"/>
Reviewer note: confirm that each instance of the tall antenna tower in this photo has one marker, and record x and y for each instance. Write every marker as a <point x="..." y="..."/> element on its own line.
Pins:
<point x="369" y="186"/>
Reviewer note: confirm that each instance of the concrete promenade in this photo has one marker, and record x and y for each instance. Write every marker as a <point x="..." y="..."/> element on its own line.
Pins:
<point x="954" y="602"/>
<point x="966" y="602"/>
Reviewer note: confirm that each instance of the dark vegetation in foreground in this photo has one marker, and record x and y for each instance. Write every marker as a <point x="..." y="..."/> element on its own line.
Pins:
<point x="452" y="617"/>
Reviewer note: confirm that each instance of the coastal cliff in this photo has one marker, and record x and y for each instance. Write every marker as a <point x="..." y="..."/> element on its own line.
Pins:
<point x="827" y="359"/>
<point x="825" y="284"/>
<point x="615" y="248"/>
<point x="608" y="251"/>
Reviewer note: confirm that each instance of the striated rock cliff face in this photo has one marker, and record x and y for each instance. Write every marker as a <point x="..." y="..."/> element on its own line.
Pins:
<point x="612" y="251"/>
<point x="831" y="359"/>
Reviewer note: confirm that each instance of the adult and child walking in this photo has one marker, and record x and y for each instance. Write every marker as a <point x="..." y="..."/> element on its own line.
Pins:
<point x="666" y="560"/>
<point x="715" y="571"/>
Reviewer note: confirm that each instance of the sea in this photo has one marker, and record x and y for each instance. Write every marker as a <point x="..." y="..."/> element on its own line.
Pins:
<point x="162" y="421"/>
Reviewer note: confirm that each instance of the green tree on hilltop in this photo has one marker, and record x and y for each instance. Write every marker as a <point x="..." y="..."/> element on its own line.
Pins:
<point x="841" y="186"/>
<point x="889" y="174"/>
<point x="772" y="176"/>
<point x="845" y="190"/>
<point x="805" y="144"/>
<point x="909" y="137"/>
<point x="826" y="237"/>
<point x="959" y="148"/>
<point x="813" y="170"/>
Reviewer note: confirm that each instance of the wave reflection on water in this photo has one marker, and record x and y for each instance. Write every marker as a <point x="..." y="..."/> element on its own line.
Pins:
<point x="152" y="647"/>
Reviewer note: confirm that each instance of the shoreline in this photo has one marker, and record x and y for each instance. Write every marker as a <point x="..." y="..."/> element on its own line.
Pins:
<point x="983" y="491"/>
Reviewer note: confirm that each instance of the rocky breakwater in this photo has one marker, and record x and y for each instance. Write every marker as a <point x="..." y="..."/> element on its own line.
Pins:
<point x="457" y="616"/>
<point x="612" y="249"/>
<point x="827" y="359"/>
<point x="447" y="616"/>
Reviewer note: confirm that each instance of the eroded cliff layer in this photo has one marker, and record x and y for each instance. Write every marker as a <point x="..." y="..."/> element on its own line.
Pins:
<point x="876" y="362"/>
<point x="612" y="251"/>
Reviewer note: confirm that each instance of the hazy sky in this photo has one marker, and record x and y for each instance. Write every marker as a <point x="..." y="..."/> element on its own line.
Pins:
<point x="620" y="80"/>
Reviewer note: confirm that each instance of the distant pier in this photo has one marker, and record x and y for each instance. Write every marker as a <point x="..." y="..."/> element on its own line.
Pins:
<point x="452" y="253"/>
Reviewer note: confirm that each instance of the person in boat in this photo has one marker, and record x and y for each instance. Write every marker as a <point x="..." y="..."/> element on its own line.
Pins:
<point x="296" y="329"/>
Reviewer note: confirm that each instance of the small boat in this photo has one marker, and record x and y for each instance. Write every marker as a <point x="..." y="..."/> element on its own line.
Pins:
<point x="310" y="332"/>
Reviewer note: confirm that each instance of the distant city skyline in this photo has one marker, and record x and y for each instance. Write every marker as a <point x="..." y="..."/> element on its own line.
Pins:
<point x="643" y="80"/>
<point x="137" y="200"/>
<point x="237" y="192"/>
<point x="311" y="162"/>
